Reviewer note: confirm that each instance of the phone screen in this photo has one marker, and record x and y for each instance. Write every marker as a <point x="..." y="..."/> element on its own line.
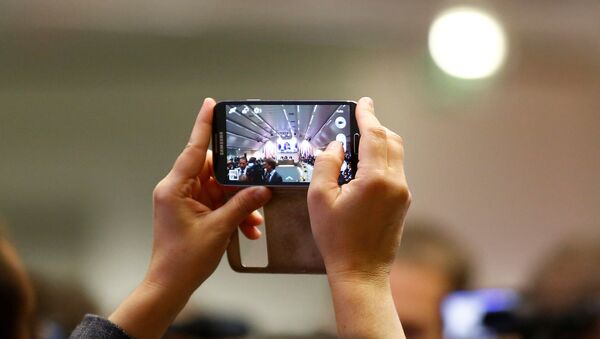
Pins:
<point x="277" y="143"/>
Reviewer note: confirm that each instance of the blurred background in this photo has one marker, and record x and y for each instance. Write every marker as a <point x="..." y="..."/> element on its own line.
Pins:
<point x="97" y="98"/>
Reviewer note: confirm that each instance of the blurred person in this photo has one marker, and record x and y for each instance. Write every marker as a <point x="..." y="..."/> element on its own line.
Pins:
<point x="60" y="305"/>
<point x="564" y="294"/>
<point x="254" y="171"/>
<point x="271" y="175"/>
<point x="17" y="298"/>
<point x="429" y="265"/>
<point x="242" y="167"/>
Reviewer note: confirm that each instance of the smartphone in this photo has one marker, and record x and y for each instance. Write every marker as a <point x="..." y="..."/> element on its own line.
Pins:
<point x="276" y="142"/>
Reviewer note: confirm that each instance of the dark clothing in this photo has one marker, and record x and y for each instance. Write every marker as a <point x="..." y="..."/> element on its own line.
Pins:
<point x="274" y="179"/>
<point x="255" y="174"/>
<point x="97" y="327"/>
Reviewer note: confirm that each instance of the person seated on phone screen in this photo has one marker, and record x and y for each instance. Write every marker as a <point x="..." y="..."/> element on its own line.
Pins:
<point x="429" y="265"/>
<point x="271" y="175"/>
<point x="192" y="225"/>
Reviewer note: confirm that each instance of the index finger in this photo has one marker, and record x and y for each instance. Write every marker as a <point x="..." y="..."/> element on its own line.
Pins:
<point x="190" y="162"/>
<point x="372" y="150"/>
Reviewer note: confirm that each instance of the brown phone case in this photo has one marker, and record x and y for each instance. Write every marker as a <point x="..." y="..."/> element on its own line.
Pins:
<point x="290" y="245"/>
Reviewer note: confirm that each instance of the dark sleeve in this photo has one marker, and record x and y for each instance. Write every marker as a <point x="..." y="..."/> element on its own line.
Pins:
<point x="93" y="326"/>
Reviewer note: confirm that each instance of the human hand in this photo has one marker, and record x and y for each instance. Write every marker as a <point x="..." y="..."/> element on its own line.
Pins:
<point x="192" y="227"/>
<point x="357" y="226"/>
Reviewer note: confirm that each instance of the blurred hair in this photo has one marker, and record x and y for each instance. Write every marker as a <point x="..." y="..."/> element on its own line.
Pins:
<point x="271" y="162"/>
<point x="426" y="243"/>
<point x="62" y="301"/>
<point x="12" y="293"/>
<point x="568" y="275"/>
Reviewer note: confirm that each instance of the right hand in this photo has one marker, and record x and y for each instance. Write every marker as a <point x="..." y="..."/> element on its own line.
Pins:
<point x="357" y="226"/>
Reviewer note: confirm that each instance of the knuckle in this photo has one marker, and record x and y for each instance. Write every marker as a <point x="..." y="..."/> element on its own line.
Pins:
<point x="377" y="132"/>
<point x="376" y="182"/>
<point x="325" y="157"/>
<point x="382" y="184"/>
<point x="393" y="136"/>
<point x="408" y="198"/>
<point x="161" y="194"/>
<point x="315" y="196"/>
<point x="194" y="148"/>
<point x="401" y="193"/>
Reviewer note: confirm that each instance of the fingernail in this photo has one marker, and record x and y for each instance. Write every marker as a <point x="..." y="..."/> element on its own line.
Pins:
<point x="368" y="101"/>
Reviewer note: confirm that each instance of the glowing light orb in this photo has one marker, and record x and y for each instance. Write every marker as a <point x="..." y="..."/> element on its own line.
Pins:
<point x="467" y="43"/>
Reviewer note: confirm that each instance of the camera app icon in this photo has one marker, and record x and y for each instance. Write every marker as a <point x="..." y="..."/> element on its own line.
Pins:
<point x="340" y="122"/>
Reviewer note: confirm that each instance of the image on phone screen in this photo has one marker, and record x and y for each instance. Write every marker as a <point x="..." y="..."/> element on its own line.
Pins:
<point x="277" y="144"/>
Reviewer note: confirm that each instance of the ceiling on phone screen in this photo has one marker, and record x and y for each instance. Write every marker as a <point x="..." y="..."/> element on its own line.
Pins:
<point x="250" y="126"/>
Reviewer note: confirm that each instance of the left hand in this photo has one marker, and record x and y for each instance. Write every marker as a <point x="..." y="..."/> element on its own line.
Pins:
<point x="192" y="224"/>
<point x="192" y="228"/>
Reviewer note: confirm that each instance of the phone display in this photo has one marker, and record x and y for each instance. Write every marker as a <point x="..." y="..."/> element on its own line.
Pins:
<point x="276" y="143"/>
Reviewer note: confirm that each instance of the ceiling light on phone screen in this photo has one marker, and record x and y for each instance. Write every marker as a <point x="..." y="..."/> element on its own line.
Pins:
<point x="467" y="43"/>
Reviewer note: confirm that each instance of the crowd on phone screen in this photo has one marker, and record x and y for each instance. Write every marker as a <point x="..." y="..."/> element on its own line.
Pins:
<point x="258" y="171"/>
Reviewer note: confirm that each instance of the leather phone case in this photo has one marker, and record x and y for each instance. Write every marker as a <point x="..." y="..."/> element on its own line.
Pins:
<point x="290" y="245"/>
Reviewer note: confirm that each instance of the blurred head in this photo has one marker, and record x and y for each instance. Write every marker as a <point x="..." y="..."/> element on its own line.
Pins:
<point x="16" y="294"/>
<point x="428" y="266"/>
<point x="569" y="275"/>
<point x="567" y="285"/>
<point x="242" y="163"/>
<point x="270" y="164"/>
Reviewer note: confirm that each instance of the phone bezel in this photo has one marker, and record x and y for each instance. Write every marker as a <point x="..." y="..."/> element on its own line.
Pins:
<point x="219" y="147"/>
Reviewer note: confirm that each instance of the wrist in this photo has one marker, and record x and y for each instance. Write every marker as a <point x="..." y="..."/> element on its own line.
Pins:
<point x="149" y="310"/>
<point x="364" y="306"/>
<point x="375" y="277"/>
<point x="166" y="276"/>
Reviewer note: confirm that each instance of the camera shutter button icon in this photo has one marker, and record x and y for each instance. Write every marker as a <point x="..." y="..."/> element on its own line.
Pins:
<point x="340" y="122"/>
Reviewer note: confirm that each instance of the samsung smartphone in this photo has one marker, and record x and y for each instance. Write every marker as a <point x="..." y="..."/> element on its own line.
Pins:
<point x="275" y="143"/>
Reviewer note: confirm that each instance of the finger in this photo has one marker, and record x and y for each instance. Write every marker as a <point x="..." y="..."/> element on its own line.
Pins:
<point x="250" y="232"/>
<point x="242" y="204"/>
<point x="395" y="152"/>
<point x="372" y="150"/>
<point x="190" y="162"/>
<point x="207" y="170"/>
<point x="254" y="219"/>
<point x="324" y="182"/>
<point x="250" y="225"/>
<point x="215" y="192"/>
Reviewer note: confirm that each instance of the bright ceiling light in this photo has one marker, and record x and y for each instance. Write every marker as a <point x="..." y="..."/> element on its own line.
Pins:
<point x="467" y="43"/>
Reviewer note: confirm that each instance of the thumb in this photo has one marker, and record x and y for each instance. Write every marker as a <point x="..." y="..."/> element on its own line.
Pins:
<point x="324" y="182"/>
<point x="242" y="204"/>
